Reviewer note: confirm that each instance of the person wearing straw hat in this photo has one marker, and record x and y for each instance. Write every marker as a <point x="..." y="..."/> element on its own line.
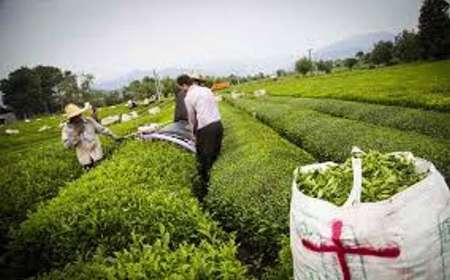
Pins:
<point x="81" y="133"/>
<point x="197" y="79"/>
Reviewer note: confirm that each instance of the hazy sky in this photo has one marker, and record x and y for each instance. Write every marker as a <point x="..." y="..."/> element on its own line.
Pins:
<point x="112" y="37"/>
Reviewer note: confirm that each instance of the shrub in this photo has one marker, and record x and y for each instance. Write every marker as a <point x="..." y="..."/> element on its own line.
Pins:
<point x="118" y="198"/>
<point x="158" y="261"/>
<point x="251" y="184"/>
<point x="38" y="173"/>
<point x="434" y="124"/>
<point x="382" y="52"/>
<point x="303" y="66"/>
<point x="325" y="66"/>
<point x="350" y="62"/>
<point x="283" y="269"/>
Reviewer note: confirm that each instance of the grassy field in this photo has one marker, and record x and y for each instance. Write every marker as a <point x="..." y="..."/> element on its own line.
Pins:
<point x="418" y="85"/>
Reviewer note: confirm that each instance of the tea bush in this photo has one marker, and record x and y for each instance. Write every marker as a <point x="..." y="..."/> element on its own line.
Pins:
<point x="416" y="85"/>
<point x="433" y="124"/>
<point x="38" y="173"/>
<point x="331" y="138"/>
<point x="116" y="199"/>
<point x="158" y="261"/>
<point x="251" y="183"/>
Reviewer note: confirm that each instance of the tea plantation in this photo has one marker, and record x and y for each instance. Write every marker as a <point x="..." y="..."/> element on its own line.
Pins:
<point x="136" y="216"/>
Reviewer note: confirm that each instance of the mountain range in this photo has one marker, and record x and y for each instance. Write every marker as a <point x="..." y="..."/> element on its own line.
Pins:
<point x="341" y="49"/>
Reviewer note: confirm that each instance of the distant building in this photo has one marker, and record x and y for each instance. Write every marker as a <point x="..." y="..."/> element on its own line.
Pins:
<point x="220" y="86"/>
<point x="6" y="115"/>
<point x="2" y="105"/>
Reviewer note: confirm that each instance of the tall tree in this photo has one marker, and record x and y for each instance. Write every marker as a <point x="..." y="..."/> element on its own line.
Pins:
<point x="281" y="73"/>
<point x="50" y="77"/>
<point x="382" y="52"/>
<point x="325" y="66"/>
<point x="87" y="81"/>
<point x="359" y="55"/>
<point x="303" y="66"/>
<point x="169" y="86"/>
<point x="407" y="46"/>
<point x="434" y="29"/>
<point x="67" y="90"/>
<point x="23" y="92"/>
<point x="350" y="62"/>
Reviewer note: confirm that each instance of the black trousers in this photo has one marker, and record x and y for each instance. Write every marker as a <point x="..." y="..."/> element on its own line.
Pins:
<point x="208" y="145"/>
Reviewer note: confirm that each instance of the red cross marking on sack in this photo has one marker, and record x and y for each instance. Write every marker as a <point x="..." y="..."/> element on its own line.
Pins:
<point x="341" y="250"/>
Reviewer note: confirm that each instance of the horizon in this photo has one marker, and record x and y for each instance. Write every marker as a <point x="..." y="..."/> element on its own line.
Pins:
<point x="113" y="40"/>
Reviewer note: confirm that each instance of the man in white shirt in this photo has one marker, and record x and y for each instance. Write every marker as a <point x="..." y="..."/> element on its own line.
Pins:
<point x="204" y="119"/>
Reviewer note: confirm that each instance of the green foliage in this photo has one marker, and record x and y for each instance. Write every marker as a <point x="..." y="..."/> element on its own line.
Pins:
<point x="29" y="134"/>
<point x="67" y="91"/>
<point x="331" y="138"/>
<point x="86" y="83"/>
<point x="37" y="178"/>
<point x="384" y="175"/>
<point x="303" y="66"/>
<point x="419" y="85"/>
<point x="382" y="52"/>
<point x="139" y="190"/>
<point x="350" y="62"/>
<point x="47" y="89"/>
<point x="159" y="261"/>
<point x="23" y="92"/>
<point x="407" y="46"/>
<point x="281" y="73"/>
<point x="283" y="269"/>
<point x="433" y="124"/>
<point x="147" y="87"/>
<point x="325" y="66"/>
<point x="35" y="174"/>
<point x="43" y="89"/>
<point x="360" y="55"/>
<point x="434" y="29"/>
<point x="251" y="184"/>
<point x="169" y="87"/>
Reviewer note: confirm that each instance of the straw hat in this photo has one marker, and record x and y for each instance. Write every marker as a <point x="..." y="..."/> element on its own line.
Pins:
<point x="73" y="110"/>
<point x="196" y="76"/>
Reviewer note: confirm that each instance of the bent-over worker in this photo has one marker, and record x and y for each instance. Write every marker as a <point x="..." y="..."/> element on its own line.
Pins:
<point x="81" y="133"/>
<point x="204" y="119"/>
<point x="180" y="108"/>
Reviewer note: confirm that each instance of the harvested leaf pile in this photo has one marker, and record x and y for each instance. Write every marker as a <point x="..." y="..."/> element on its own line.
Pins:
<point x="384" y="175"/>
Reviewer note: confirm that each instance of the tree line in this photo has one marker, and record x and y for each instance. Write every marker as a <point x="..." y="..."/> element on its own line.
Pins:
<point x="47" y="89"/>
<point x="430" y="42"/>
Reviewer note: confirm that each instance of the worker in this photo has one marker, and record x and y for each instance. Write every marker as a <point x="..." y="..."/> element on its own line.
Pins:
<point x="132" y="103"/>
<point x="81" y="133"/>
<point x="180" y="108"/>
<point x="204" y="120"/>
<point x="94" y="113"/>
<point x="197" y="79"/>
